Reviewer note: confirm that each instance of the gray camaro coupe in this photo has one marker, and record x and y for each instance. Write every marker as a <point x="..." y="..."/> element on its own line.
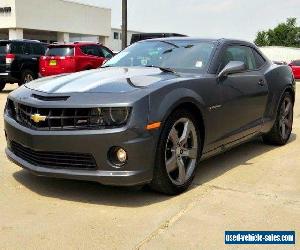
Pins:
<point x="151" y="113"/>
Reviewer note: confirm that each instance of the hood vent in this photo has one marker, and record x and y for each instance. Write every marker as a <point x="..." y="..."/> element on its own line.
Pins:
<point x="50" y="98"/>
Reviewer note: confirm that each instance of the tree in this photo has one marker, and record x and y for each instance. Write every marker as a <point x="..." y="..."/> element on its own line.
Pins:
<point x="262" y="38"/>
<point x="284" y="34"/>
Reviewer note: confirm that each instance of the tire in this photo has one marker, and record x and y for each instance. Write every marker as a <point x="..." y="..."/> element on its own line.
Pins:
<point x="177" y="156"/>
<point x="282" y="128"/>
<point x="2" y="85"/>
<point x="27" y="76"/>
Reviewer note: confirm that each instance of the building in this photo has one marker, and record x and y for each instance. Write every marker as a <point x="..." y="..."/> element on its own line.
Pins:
<point x="115" y="39"/>
<point x="54" y="21"/>
<point x="284" y="54"/>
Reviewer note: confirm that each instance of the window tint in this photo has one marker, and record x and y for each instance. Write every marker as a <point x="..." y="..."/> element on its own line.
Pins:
<point x="239" y="53"/>
<point x="90" y="50"/>
<point x="17" y="48"/>
<point x="38" y="49"/>
<point x="60" y="51"/>
<point x="3" y="48"/>
<point x="259" y="60"/>
<point x="106" y="53"/>
<point x="27" y="48"/>
<point x="296" y="63"/>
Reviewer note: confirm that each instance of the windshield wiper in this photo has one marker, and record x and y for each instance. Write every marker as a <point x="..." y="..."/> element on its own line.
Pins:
<point x="168" y="70"/>
<point x="106" y="66"/>
<point x="170" y="43"/>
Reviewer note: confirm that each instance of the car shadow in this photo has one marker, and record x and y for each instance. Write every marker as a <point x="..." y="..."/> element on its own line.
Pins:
<point x="5" y="91"/>
<point x="94" y="193"/>
<point x="238" y="156"/>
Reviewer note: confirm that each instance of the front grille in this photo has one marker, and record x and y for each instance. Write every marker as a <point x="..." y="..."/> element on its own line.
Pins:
<point x="54" y="159"/>
<point x="55" y="118"/>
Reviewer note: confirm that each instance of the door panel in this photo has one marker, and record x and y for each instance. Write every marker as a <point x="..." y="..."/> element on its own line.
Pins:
<point x="244" y="98"/>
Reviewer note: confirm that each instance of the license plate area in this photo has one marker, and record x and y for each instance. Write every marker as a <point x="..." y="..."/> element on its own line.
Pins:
<point x="52" y="63"/>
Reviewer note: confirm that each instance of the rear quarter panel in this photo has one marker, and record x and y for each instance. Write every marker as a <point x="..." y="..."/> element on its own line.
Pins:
<point x="279" y="79"/>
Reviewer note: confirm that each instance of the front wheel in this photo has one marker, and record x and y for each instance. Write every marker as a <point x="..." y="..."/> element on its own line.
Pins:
<point x="178" y="154"/>
<point x="282" y="128"/>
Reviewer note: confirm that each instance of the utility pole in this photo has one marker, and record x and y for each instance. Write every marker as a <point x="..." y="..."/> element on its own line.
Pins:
<point x="124" y="24"/>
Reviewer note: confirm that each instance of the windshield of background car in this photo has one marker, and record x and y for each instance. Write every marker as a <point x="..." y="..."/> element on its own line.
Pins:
<point x="60" y="51"/>
<point x="187" y="56"/>
<point x="4" y="47"/>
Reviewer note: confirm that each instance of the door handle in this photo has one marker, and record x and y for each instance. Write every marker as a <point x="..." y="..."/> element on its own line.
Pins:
<point x="261" y="82"/>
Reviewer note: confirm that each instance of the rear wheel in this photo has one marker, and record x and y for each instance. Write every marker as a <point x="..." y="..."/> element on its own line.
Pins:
<point x="282" y="128"/>
<point x="2" y="85"/>
<point x="178" y="154"/>
<point x="27" y="76"/>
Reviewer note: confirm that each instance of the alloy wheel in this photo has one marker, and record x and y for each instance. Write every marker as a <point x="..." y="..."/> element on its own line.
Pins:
<point x="286" y="118"/>
<point x="28" y="78"/>
<point x="181" y="151"/>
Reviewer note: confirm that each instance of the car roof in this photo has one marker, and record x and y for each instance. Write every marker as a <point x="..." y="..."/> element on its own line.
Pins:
<point x="22" y="41"/>
<point x="74" y="44"/>
<point x="196" y="39"/>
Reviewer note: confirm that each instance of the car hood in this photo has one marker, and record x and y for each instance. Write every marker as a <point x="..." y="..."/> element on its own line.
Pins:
<point x="109" y="80"/>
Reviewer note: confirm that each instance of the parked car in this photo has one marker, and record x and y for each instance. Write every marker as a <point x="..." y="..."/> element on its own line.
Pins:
<point x="73" y="57"/>
<point x="19" y="61"/>
<point x="144" y="36"/>
<point x="295" y="65"/>
<point x="151" y="113"/>
<point x="280" y="62"/>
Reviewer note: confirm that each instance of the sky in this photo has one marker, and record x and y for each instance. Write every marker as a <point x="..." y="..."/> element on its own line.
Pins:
<point x="240" y="19"/>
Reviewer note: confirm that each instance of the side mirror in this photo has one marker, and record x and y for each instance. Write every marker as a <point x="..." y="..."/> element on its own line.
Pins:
<point x="232" y="67"/>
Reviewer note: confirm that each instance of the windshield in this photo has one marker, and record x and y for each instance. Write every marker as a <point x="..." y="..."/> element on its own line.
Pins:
<point x="184" y="56"/>
<point x="60" y="51"/>
<point x="4" y="48"/>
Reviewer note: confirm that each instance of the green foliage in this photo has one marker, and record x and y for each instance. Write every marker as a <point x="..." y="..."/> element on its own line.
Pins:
<point x="285" y="34"/>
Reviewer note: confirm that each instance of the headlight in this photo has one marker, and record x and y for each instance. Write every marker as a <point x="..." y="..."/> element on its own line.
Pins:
<point x="96" y="116"/>
<point x="119" y="115"/>
<point x="109" y="117"/>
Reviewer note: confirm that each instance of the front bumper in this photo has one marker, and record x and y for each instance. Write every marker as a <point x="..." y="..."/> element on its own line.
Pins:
<point x="139" y="146"/>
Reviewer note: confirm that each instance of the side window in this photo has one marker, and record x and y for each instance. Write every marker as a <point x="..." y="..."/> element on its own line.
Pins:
<point x="27" y="49"/>
<point x="38" y="49"/>
<point x="259" y="60"/>
<point x="90" y="50"/>
<point x="17" y="48"/>
<point x="296" y="63"/>
<point x="106" y="53"/>
<point x="239" y="53"/>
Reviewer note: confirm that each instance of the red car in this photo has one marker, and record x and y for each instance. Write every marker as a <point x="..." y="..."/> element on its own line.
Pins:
<point x="295" y="65"/>
<point x="73" y="57"/>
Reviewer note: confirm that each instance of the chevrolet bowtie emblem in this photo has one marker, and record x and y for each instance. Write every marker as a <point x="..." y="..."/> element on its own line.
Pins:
<point x="38" y="118"/>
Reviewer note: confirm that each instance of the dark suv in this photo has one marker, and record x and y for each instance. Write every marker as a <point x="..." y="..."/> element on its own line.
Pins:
<point x="19" y="61"/>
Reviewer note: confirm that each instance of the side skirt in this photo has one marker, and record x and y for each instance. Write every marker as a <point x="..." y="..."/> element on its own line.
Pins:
<point x="228" y="146"/>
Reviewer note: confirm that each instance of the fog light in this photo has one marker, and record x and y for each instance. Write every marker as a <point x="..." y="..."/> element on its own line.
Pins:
<point x="121" y="155"/>
<point x="117" y="156"/>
